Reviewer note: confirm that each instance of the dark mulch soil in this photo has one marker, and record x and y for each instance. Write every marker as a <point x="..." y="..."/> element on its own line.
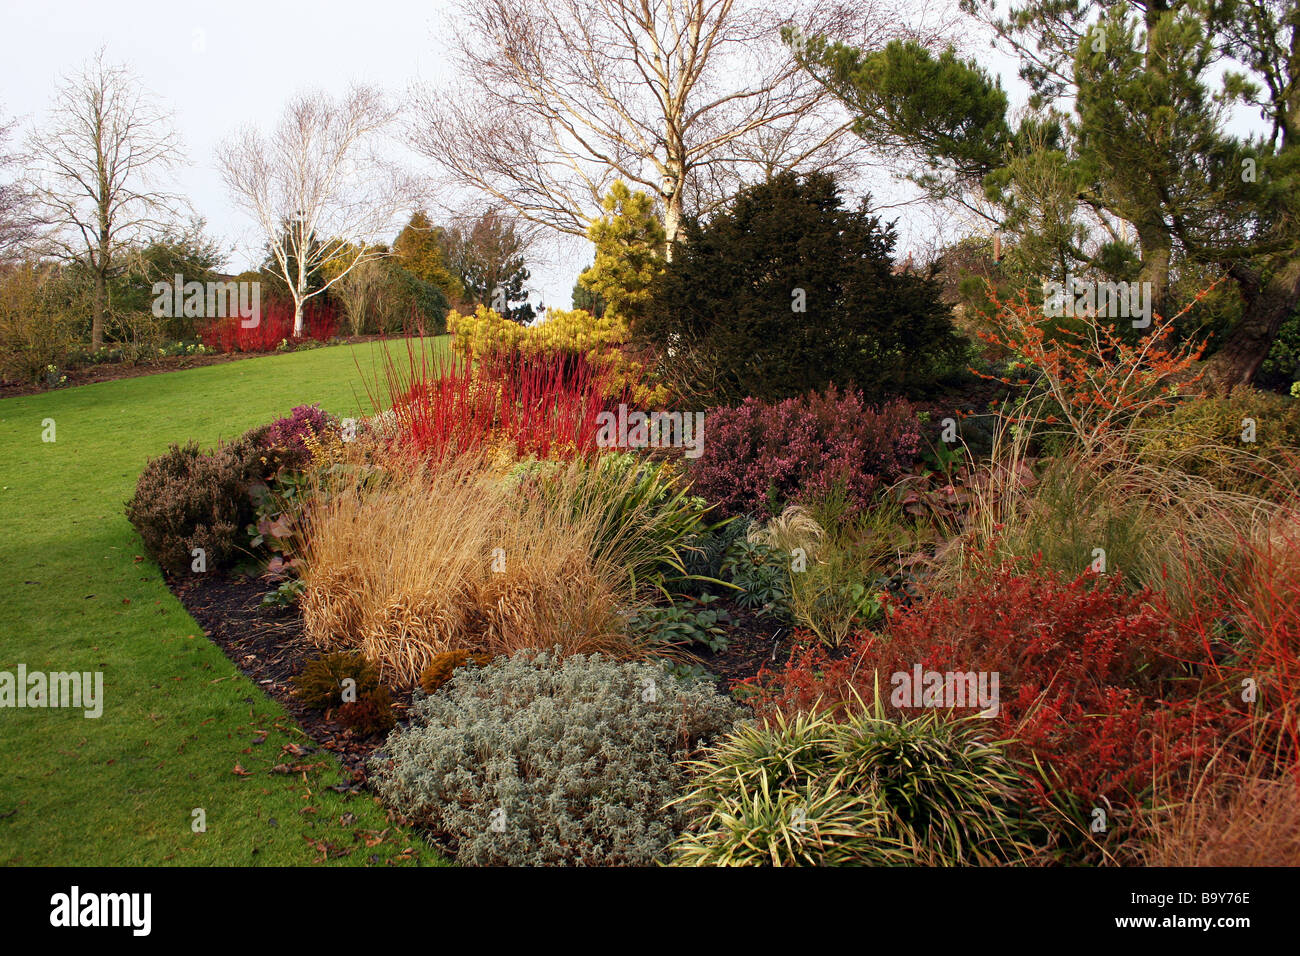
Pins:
<point x="753" y="641"/>
<point x="268" y="645"/>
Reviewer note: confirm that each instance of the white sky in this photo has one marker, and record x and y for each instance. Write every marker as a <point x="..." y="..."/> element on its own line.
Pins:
<point x="221" y="65"/>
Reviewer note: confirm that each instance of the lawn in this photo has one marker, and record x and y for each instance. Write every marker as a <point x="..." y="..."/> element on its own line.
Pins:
<point x="178" y="718"/>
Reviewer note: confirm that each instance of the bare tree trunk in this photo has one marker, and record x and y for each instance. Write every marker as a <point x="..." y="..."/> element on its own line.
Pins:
<point x="1156" y="253"/>
<point x="672" y="219"/>
<point x="297" y="317"/>
<point x="1267" y="306"/>
<point x="99" y="309"/>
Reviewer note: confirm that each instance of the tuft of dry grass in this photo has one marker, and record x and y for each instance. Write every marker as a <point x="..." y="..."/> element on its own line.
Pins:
<point x="1144" y="514"/>
<point x="403" y="565"/>
<point x="1251" y="821"/>
<point x="794" y="528"/>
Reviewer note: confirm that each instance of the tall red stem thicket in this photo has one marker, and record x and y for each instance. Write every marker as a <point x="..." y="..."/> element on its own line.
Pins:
<point x="545" y="405"/>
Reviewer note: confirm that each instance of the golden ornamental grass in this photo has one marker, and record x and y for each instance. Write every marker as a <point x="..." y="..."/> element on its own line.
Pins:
<point x="448" y="556"/>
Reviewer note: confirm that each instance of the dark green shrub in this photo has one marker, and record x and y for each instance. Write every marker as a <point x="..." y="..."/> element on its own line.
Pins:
<point x="728" y="305"/>
<point x="190" y="499"/>
<point x="542" y="760"/>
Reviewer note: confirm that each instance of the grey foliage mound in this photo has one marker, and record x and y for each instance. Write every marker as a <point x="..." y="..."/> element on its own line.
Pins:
<point x="540" y="760"/>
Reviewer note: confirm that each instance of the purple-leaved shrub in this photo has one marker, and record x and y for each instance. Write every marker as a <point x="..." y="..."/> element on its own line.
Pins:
<point x="759" y="457"/>
<point x="287" y="433"/>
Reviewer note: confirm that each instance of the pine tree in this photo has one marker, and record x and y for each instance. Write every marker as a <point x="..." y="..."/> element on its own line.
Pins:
<point x="630" y="244"/>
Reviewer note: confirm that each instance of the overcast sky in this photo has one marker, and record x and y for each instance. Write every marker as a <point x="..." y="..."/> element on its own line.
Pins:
<point x="220" y="65"/>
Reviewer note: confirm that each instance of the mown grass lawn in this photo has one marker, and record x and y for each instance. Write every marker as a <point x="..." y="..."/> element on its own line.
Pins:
<point x="76" y="593"/>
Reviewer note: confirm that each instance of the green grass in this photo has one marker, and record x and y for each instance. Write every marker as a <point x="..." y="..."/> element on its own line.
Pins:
<point x="76" y="593"/>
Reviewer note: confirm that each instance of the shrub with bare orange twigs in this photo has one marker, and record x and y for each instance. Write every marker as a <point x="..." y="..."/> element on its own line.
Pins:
<point x="1097" y="384"/>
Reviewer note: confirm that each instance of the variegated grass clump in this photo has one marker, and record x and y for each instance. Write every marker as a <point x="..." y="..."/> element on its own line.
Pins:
<point x="813" y="790"/>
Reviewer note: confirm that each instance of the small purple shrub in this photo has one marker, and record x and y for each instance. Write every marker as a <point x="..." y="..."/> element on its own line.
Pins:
<point x="287" y="433"/>
<point x="758" y="457"/>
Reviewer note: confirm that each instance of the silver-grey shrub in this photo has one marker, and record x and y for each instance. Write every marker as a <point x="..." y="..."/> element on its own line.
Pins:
<point x="540" y="760"/>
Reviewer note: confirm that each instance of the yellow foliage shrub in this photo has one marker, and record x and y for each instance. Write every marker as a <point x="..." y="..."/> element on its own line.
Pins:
<point x="575" y="332"/>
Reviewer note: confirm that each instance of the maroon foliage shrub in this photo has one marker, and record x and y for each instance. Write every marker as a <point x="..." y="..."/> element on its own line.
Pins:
<point x="759" y="457"/>
<point x="1103" y="687"/>
<point x="287" y="433"/>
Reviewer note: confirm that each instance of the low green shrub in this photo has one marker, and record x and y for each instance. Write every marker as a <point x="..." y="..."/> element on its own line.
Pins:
<point x="188" y="499"/>
<point x="867" y="790"/>
<point x="1244" y="442"/>
<point x="761" y="573"/>
<point x="321" y="683"/>
<point x="541" y="760"/>
<point x="686" y="621"/>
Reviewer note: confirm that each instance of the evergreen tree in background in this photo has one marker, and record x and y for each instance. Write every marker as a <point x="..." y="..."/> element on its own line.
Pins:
<point x="788" y="291"/>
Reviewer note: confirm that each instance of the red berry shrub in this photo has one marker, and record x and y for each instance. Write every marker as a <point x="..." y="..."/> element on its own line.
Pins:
<point x="1099" y="684"/>
<point x="758" y="457"/>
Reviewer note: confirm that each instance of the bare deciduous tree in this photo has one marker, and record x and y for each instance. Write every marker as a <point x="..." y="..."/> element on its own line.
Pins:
<point x="317" y="189"/>
<point x="94" y="170"/>
<point x="359" y="290"/>
<point x="685" y="99"/>
<point x="16" y="219"/>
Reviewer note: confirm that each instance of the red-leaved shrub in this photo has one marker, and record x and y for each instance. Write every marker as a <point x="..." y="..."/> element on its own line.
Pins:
<point x="275" y="324"/>
<point x="1100" y="685"/>
<point x="289" y="432"/>
<point x="759" y="457"/>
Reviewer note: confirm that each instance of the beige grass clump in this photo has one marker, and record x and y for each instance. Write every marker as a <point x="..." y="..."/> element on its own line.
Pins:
<point x="795" y="527"/>
<point x="1253" y="822"/>
<point x="416" y="563"/>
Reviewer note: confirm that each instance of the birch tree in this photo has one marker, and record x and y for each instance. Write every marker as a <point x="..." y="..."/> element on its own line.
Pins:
<point x="683" y="99"/>
<point x="95" y="171"/>
<point x="317" y="188"/>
